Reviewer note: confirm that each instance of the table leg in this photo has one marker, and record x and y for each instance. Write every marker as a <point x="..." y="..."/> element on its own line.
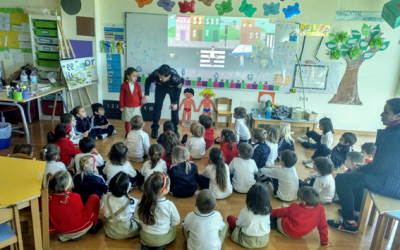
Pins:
<point x="379" y="232"/>
<point x="29" y="112"/>
<point x="37" y="232"/>
<point x="396" y="239"/>
<point x="28" y="138"/>
<point x="54" y="106"/>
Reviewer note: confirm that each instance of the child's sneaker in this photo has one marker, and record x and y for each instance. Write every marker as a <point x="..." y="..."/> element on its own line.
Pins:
<point x="114" y="132"/>
<point x="305" y="137"/>
<point x="102" y="136"/>
<point x="308" y="161"/>
<point x="310" y="165"/>
<point x="95" y="229"/>
<point x="343" y="225"/>
<point x="301" y="140"/>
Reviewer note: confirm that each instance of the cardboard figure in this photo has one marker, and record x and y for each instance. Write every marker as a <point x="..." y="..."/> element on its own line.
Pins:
<point x="187" y="104"/>
<point x="207" y="102"/>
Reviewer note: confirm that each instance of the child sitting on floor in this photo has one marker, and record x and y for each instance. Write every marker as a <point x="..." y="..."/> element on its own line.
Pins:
<point x="138" y="141"/>
<point x="298" y="220"/>
<point x="252" y="228"/>
<point x="83" y="125"/>
<point x="325" y="124"/>
<point x="196" y="144"/>
<point x="170" y="141"/>
<point x="337" y="154"/>
<point x="353" y="160"/>
<point x="261" y="149"/>
<point x="228" y="145"/>
<point x="243" y="169"/>
<point x="87" y="146"/>
<point x="100" y="121"/>
<point x="68" y="216"/>
<point x="272" y="139"/>
<point x="368" y="149"/>
<point x="168" y="126"/>
<point x="241" y="130"/>
<point x="155" y="163"/>
<point x="285" y="141"/>
<point x="183" y="174"/>
<point x="69" y="119"/>
<point x="88" y="182"/>
<point x="157" y="215"/>
<point x="284" y="178"/>
<point x="204" y="228"/>
<point x="206" y="121"/>
<point x="51" y="153"/>
<point x="216" y="175"/>
<point x="323" y="180"/>
<point x="23" y="151"/>
<point x="119" y="208"/>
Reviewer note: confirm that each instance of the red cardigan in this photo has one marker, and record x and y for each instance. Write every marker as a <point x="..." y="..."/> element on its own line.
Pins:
<point x="229" y="155"/>
<point x="127" y="99"/>
<point x="67" y="217"/>
<point x="67" y="150"/>
<point x="299" y="220"/>
<point x="209" y="137"/>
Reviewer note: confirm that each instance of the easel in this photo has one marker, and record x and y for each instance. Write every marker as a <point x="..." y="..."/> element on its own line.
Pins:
<point x="65" y="48"/>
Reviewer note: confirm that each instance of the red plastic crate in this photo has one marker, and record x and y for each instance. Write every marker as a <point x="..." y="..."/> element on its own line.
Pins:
<point x="47" y="107"/>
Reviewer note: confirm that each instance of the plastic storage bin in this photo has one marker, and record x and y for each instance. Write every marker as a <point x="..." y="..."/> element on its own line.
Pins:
<point x="48" y="63"/>
<point x="48" y="107"/>
<point x="47" y="48"/>
<point x="46" y="40"/>
<point x="5" y="135"/>
<point x="48" y="55"/>
<point x="45" y="24"/>
<point x="45" y="32"/>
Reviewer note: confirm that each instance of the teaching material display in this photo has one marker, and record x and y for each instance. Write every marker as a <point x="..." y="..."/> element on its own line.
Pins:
<point x="80" y="72"/>
<point x="14" y="31"/>
<point x="114" y="32"/>
<point x="212" y="51"/>
<point x="114" y="74"/>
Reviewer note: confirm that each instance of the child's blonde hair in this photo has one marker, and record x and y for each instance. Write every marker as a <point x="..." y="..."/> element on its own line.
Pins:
<point x="87" y="165"/>
<point x="272" y="134"/>
<point x="181" y="154"/>
<point x="197" y="129"/>
<point x="259" y="134"/>
<point x="284" y="131"/>
<point x="60" y="182"/>
<point x="207" y="92"/>
<point x="136" y="122"/>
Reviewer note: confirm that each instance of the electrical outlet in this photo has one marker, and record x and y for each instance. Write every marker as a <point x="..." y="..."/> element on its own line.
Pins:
<point x="304" y="98"/>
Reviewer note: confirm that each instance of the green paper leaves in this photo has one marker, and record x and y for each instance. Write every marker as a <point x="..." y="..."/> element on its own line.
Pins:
<point x="355" y="38"/>
<point x="354" y="52"/>
<point x="342" y="37"/>
<point x="331" y="37"/>
<point x="356" y="34"/>
<point x="332" y="45"/>
<point x="352" y="41"/>
<point x="365" y="30"/>
<point x="368" y="55"/>
<point x="376" y="42"/>
<point x="363" y="44"/>
<point x="335" y="54"/>
<point x="344" y="50"/>
<point x="375" y="30"/>
<point x="384" y="46"/>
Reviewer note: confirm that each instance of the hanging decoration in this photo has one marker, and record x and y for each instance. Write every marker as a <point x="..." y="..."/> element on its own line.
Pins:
<point x="142" y="3"/>
<point x="224" y="7"/>
<point x="354" y="51"/>
<point x="271" y="9"/>
<point x="185" y="7"/>
<point x="112" y="47"/>
<point x="166" y="4"/>
<point x="291" y="10"/>
<point x="207" y="2"/>
<point x="247" y="9"/>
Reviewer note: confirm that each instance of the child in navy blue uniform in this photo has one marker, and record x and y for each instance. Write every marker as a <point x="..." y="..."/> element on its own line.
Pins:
<point x="100" y="121"/>
<point x="285" y="141"/>
<point x="83" y="124"/>
<point x="88" y="182"/>
<point x="338" y="153"/>
<point x="183" y="174"/>
<point x="261" y="149"/>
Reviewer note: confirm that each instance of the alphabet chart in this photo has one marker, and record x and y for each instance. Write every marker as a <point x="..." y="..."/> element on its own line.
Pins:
<point x="311" y="76"/>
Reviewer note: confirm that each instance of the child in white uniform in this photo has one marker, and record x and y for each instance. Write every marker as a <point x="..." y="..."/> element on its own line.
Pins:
<point x="155" y="163"/>
<point x="196" y="143"/>
<point x="243" y="169"/>
<point x="241" y="130"/>
<point x="51" y="153"/>
<point x="137" y="141"/>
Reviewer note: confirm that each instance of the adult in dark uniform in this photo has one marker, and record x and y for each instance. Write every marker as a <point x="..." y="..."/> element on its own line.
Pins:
<point x="167" y="82"/>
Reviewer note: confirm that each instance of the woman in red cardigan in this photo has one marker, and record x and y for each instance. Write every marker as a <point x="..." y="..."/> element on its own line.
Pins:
<point x="68" y="217"/>
<point x="130" y="97"/>
<point x="61" y="137"/>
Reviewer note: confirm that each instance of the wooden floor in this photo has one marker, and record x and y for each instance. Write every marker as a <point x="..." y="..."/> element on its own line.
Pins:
<point x="231" y="205"/>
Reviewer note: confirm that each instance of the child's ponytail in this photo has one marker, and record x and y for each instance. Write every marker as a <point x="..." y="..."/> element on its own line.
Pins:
<point x="128" y="72"/>
<point x="229" y="137"/>
<point x="59" y="132"/>
<point x="169" y="143"/>
<point x="152" y="188"/>
<point x="49" y="152"/>
<point x="216" y="158"/>
<point x="155" y="152"/>
<point x="327" y="125"/>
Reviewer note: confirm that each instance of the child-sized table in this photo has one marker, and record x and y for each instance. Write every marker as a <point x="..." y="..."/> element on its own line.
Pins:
<point x="293" y="123"/>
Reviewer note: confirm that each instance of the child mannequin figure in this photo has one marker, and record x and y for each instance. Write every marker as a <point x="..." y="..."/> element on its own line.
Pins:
<point x="187" y="104"/>
<point x="207" y="102"/>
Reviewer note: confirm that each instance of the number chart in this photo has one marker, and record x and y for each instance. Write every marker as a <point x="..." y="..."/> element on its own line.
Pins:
<point x="311" y="76"/>
<point x="112" y="109"/>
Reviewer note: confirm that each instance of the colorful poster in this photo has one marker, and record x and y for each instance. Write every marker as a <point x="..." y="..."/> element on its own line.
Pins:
<point x="14" y="30"/>
<point x="114" y="32"/>
<point x="80" y="72"/>
<point x="314" y="30"/>
<point x="365" y="16"/>
<point x="114" y="74"/>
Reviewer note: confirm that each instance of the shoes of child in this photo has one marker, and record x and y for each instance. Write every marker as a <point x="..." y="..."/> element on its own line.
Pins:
<point x="101" y="137"/>
<point x="308" y="161"/>
<point x="305" y="137"/>
<point x="301" y="140"/>
<point x="95" y="229"/>
<point x="114" y="132"/>
<point x="310" y="165"/>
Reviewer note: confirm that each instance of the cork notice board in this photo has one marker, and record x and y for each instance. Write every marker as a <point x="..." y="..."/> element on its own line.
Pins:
<point x="85" y="26"/>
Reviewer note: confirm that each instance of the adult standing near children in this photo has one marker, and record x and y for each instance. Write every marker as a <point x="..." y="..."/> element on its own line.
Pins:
<point x="381" y="176"/>
<point x="167" y="82"/>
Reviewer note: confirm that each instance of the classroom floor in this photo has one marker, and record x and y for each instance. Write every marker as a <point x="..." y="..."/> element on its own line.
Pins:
<point x="231" y="205"/>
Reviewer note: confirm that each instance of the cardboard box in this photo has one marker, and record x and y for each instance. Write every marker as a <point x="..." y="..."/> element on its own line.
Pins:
<point x="297" y="113"/>
<point x="391" y="13"/>
<point x="310" y="116"/>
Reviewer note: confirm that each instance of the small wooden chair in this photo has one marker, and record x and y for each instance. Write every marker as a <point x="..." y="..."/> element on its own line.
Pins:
<point x="224" y="113"/>
<point x="10" y="235"/>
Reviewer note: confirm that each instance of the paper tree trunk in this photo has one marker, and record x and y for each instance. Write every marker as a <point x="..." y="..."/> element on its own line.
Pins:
<point x="348" y="88"/>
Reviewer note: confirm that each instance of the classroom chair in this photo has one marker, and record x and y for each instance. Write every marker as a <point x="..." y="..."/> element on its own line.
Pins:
<point x="10" y="228"/>
<point x="224" y="112"/>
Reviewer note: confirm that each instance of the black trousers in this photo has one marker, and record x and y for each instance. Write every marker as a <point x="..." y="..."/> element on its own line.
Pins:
<point x="350" y="190"/>
<point x="159" y="100"/>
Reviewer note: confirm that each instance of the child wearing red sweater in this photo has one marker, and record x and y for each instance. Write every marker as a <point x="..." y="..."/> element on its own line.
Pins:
<point x="228" y="146"/>
<point x="61" y="137"/>
<point x="298" y="220"/>
<point x="68" y="217"/>
<point x="130" y="97"/>
<point x="206" y="121"/>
